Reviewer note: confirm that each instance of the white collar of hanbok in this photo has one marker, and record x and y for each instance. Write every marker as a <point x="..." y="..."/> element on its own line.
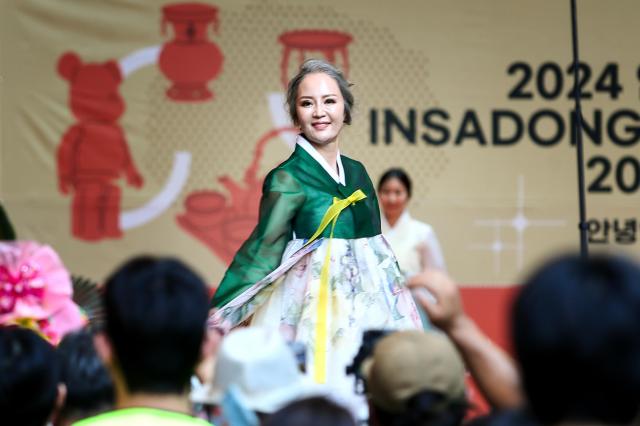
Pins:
<point x="339" y="176"/>
<point x="405" y="217"/>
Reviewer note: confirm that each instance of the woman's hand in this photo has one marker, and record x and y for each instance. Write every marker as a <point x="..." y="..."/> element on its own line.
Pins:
<point x="493" y="369"/>
<point x="204" y="369"/>
<point x="436" y="292"/>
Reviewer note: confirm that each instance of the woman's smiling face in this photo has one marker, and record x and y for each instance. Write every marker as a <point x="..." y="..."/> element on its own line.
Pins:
<point x="320" y="108"/>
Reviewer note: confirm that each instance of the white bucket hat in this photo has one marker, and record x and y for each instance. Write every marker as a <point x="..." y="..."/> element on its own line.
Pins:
<point x="262" y="368"/>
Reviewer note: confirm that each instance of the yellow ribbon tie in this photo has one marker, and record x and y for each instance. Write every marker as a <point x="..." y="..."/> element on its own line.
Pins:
<point x="330" y="216"/>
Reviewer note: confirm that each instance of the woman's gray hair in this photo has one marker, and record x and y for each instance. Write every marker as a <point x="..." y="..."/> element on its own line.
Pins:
<point x="311" y="66"/>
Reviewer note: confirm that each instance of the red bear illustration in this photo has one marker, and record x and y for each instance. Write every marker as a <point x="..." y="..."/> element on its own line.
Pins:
<point x="93" y="153"/>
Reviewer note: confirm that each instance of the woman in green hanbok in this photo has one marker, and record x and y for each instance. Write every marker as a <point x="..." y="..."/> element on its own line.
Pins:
<point x="316" y="266"/>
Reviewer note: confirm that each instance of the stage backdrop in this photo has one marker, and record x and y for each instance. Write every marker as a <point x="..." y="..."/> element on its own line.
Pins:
<point x="147" y="127"/>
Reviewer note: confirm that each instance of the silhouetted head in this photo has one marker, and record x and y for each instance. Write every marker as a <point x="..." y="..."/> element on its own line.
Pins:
<point x="576" y="328"/>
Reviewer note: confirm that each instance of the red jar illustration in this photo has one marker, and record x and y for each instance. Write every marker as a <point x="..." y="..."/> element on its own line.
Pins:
<point x="190" y="60"/>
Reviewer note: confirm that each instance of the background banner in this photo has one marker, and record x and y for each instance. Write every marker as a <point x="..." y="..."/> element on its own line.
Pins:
<point x="132" y="127"/>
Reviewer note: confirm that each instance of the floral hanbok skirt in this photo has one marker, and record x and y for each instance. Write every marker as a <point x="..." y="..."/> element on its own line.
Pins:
<point x="366" y="290"/>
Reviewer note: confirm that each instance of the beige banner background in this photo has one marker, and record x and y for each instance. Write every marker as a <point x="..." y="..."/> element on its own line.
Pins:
<point x="498" y="210"/>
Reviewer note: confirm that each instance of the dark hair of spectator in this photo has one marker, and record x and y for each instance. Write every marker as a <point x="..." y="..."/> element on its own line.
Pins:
<point x="504" y="417"/>
<point x="315" y="411"/>
<point x="156" y="311"/>
<point x="396" y="173"/>
<point x="29" y="377"/>
<point x="89" y="387"/>
<point x="577" y="337"/>
<point x="427" y="408"/>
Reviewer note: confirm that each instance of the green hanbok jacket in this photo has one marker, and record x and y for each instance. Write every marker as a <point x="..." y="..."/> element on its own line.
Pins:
<point x="295" y="197"/>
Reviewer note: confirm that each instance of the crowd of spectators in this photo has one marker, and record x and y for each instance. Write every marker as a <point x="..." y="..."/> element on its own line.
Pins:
<point x="575" y="329"/>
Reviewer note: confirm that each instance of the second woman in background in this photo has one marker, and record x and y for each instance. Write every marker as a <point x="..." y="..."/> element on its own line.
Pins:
<point x="414" y="243"/>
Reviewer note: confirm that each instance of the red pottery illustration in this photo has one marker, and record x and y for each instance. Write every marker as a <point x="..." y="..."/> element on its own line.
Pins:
<point x="328" y="42"/>
<point x="190" y="60"/>
<point x="224" y="223"/>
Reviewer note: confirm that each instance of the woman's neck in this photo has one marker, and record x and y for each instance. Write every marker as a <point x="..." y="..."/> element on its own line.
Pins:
<point x="392" y="218"/>
<point x="329" y="152"/>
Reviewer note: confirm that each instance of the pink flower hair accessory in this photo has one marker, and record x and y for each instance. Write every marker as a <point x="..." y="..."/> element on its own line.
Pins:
<point x="36" y="290"/>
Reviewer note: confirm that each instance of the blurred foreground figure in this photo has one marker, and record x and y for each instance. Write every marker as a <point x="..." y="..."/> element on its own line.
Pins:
<point x="255" y="375"/>
<point x="156" y="311"/>
<point x="29" y="377"/>
<point x="415" y="378"/>
<point x="576" y="328"/>
<point x="315" y="411"/>
<point x="89" y="389"/>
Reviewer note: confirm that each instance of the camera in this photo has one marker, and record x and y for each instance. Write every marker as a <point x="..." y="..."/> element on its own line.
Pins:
<point x="299" y="350"/>
<point x="369" y="340"/>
